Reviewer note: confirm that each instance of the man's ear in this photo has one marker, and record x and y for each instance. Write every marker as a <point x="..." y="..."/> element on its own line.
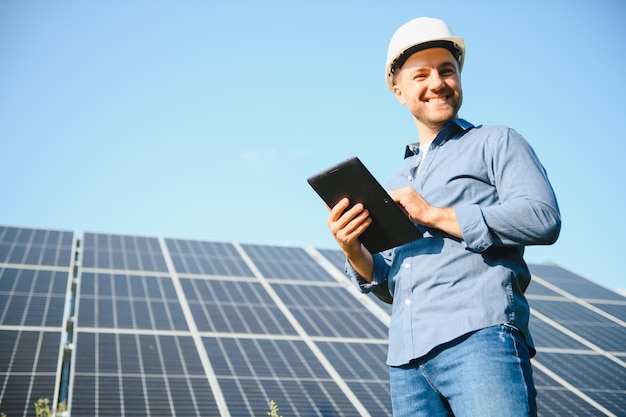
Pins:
<point x="397" y="91"/>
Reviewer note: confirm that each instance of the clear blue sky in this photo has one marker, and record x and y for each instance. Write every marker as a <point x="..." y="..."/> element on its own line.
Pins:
<point x="203" y="119"/>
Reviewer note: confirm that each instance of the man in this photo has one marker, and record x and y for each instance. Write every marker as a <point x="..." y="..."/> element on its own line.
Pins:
<point x="459" y="343"/>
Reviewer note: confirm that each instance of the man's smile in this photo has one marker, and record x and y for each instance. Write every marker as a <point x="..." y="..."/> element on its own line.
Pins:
<point x="436" y="100"/>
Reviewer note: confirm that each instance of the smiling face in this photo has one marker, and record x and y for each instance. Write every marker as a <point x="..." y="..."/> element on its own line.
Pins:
<point x="429" y="84"/>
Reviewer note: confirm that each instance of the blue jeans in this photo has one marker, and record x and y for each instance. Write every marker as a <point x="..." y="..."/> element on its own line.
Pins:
<point x="485" y="373"/>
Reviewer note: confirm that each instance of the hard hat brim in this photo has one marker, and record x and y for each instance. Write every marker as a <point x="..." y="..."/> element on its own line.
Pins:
<point x="403" y="54"/>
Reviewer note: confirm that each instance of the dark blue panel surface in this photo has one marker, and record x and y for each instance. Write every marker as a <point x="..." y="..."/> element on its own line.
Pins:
<point x="330" y="311"/>
<point x="546" y="336"/>
<point x="207" y="258"/>
<point x="617" y="310"/>
<point x="253" y="372"/>
<point x="588" y="324"/>
<point x="35" y="246"/>
<point x="286" y="263"/>
<point x="137" y="374"/>
<point x="129" y="301"/>
<point x="133" y="253"/>
<point x="573" y="284"/>
<point x="32" y="297"/>
<point x="234" y="306"/>
<point x="586" y="372"/>
<point x="555" y="400"/>
<point x="29" y="364"/>
<point x="347" y="359"/>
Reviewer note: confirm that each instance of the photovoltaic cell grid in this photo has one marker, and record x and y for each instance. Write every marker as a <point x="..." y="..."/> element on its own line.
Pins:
<point x="139" y="374"/>
<point x="287" y="366"/>
<point x="327" y="312"/>
<point x="207" y="258"/>
<point x="234" y="307"/>
<point x="286" y="263"/>
<point x="128" y="301"/>
<point x="23" y="246"/>
<point x="105" y="251"/>
<point x="180" y="327"/>
<point x="35" y="271"/>
<point x="253" y="370"/>
<point x="580" y="337"/>
<point x="231" y="301"/>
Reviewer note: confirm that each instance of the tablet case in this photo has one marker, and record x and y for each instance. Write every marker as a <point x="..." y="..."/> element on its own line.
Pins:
<point x="390" y="226"/>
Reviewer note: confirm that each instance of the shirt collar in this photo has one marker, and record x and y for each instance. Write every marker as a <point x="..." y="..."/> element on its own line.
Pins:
<point x="449" y="130"/>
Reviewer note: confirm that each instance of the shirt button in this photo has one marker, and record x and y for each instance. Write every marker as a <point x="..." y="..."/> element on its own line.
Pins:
<point x="407" y="265"/>
<point x="410" y="178"/>
<point x="407" y="301"/>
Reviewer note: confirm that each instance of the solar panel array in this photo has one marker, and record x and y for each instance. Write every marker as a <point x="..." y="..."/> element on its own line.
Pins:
<point x="134" y="325"/>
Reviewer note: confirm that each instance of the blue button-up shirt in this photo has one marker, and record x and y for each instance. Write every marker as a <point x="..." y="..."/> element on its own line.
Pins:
<point x="443" y="287"/>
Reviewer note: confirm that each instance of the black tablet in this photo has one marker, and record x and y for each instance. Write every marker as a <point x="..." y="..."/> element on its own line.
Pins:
<point x="390" y="226"/>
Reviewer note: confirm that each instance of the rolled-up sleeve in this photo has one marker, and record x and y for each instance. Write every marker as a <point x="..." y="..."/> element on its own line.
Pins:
<point x="527" y="212"/>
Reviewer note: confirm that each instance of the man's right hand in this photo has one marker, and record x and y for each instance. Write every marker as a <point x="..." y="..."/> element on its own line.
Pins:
<point x="346" y="227"/>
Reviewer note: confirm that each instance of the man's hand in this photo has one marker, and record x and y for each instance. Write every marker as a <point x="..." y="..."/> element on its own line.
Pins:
<point x="346" y="227"/>
<point x="421" y="211"/>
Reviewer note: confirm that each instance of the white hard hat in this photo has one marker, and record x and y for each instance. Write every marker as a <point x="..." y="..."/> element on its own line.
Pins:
<point x="416" y="35"/>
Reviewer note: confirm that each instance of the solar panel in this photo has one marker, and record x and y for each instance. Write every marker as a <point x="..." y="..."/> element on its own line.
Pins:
<point x="207" y="258"/>
<point x="287" y="371"/>
<point x="156" y="326"/>
<point x="129" y="301"/>
<point x="557" y="400"/>
<point x="35" y="277"/>
<point x="325" y="311"/>
<point x="371" y="381"/>
<point x="107" y="251"/>
<point x="581" y="358"/>
<point x="235" y="307"/>
<point x="138" y="374"/>
<point x="26" y="246"/>
<point x="286" y="263"/>
<point x="593" y="327"/>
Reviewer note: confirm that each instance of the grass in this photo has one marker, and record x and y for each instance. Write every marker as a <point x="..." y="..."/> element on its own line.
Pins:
<point x="42" y="408"/>
<point x="273" y="409"/>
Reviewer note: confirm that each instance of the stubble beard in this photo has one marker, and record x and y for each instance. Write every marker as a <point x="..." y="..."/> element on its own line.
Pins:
<point x="435" y="120"/>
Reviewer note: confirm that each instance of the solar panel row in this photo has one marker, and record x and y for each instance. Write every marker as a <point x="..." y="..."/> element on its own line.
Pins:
<point x="180" y="327"/>
<point x="35" y="278"/>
